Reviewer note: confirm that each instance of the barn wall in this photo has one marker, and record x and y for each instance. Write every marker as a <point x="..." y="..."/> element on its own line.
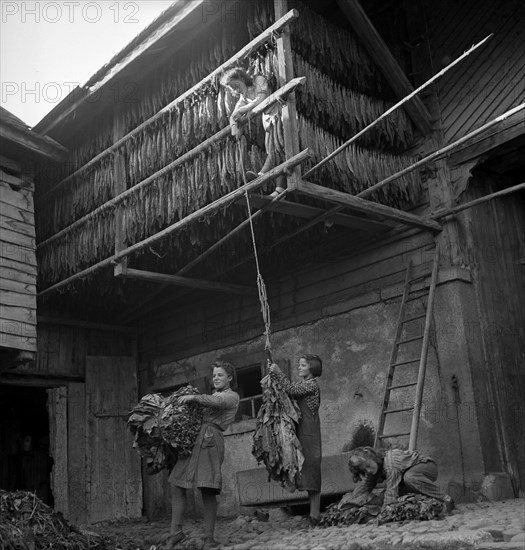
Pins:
<point x="491" y="80"/>
<point x="346" y="312"/>
<point x="18" y="264"/>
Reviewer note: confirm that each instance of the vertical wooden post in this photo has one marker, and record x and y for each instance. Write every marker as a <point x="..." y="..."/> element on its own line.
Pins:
<point x="289" y="110"/>
<point x="119" y="185"/>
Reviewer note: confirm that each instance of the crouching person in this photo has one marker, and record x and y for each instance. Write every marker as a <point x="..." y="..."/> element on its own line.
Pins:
<point x="404" y="471"/>
<point x="202" y="468"/>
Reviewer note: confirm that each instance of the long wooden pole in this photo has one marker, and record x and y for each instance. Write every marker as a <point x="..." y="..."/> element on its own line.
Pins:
<point x="257" y="42"/>
<point x="206" y="210"/>
<point x="447" y="212"/>
<point x="221" y="134"/>
<point x="394" y="107"/>
<point x="441" y="152"/>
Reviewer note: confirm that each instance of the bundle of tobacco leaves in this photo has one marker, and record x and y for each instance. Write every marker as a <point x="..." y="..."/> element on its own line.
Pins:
<point x="350" y="510"/>
<point x="275" y="441"/>
<point x="164" y="429"/>
<point x="26" y="523"/>
<point x="410" y="507"/>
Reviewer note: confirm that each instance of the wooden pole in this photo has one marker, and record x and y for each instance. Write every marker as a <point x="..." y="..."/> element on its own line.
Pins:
<point x="394" y="107"/>
<point x="447" y="212"/>
<point x="257" y="42"/>
<point x="441" y="152"/>
<point x="206" y="210"/>
<point x="424" y="352"/>
<point x="221" y="134"/>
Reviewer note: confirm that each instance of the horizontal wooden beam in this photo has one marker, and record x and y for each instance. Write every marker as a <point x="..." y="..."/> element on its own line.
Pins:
<point x="384" y="59"/>
<point x="177" y="280"/>
<point x="370" y="208"/>
<point x="40" y="145"/>
<point x="308" y="212"/>
<point x="258" y="41"/>
<point x="61" y="321"/>
<point x="221" y="134"/>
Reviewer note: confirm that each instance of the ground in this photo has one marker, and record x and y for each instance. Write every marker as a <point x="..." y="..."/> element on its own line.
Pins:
<point x="485" y="525"/>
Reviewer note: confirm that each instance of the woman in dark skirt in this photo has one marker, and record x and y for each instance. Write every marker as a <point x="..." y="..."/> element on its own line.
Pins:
<point x="202" y="468"/>
<point x="308" y="398"/>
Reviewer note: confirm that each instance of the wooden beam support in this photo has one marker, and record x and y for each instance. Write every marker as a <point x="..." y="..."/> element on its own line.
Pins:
<point x="184" y="281"/>
<point x="367" y="207"/>
<point x="62" y="321"/>
<point x="384" y="59"/>
<point x="40" y="145"/>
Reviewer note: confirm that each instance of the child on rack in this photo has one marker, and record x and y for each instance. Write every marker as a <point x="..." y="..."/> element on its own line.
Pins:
<point x="252" y="91"/>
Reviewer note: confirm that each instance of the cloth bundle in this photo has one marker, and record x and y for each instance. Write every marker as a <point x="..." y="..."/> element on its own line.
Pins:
<point x="348" y="510"/>
<point x="164" y="428"/>
<point x="275" y="441"/>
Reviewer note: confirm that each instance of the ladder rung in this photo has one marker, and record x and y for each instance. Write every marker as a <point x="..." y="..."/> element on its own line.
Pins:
<point x="408" y="319"/>
<point x="398" y="410"/>
<point x="425" y="295"/>
<point x="393" y="435"/>
<point x="406" y="362"/>
<point x="401" y="386"/>
<point x="424" y="276"/>
<point x="399" y="342"/>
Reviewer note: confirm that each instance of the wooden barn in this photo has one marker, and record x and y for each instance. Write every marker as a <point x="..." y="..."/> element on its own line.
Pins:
<point x="22" y="154"/>
<point x="150" y="242"/>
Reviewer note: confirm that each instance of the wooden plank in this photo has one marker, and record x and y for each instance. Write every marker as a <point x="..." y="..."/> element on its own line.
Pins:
<point x="187" y="282"/>
<point x="12" y="212"/>
<point x="310" y="212"/>
<point x="386" y="62"/>
<point x="31" y="141"/>
<point x="10" y="164"/>
<point x="19" y="269"/>
<point x="17" y="277"/>
<point x="20" y="198"/>
<point x="9" y="224"/>
<point x="57" y="403"/>
<point x="13" y="298"/>
<point x="13" y="285"/>
<point x="62" y="321"/>
<point x="366" y="207"/>
<point x="9" y="339"/>
<point x="77" y="448"/>
<point x="16" y="182"/>
<point x="18" y="314"/>
<point x="17" y="239"/>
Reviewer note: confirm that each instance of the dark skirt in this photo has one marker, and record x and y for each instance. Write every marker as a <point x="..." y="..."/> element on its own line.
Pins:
<point x="203" y="467"/>
<point x="309" y="434"/>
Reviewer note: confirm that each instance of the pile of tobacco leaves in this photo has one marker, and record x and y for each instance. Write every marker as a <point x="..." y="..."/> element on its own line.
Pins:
<point x="349" y="510"/>
<point x="275" y="441"/>
<point x="26" y="523"/>
<point x="410" y="507"/>
<point x="165" y="429"/>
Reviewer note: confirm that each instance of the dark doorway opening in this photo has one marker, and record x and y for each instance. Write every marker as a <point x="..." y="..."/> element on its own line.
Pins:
<point x="25" y="463"/>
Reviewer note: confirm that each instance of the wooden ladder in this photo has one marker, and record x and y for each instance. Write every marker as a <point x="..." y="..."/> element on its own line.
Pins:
<point x="409" y="295"/>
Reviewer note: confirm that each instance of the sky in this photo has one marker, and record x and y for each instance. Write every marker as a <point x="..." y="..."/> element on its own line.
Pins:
<point x="48" y="48"/>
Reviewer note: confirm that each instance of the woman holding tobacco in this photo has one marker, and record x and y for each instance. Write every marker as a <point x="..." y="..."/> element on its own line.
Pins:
<point x="308" y="397"/>
<point x="202" y="468"/>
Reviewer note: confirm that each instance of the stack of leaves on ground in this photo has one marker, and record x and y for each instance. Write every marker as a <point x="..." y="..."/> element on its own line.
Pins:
<point x="349" y="510"/>
<point x="164" y="428"/>
<point x="26" y="523"/>
<point x="410" y="507"/>
<point x="275" y="441"/>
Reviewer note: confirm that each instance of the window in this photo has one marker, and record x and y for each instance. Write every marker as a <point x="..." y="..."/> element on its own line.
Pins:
<point x="249" y="389"/>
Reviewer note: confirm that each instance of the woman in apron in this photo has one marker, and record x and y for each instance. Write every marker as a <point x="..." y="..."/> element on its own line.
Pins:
<point x="308" y="398"/>
<point x="202" y="468"/>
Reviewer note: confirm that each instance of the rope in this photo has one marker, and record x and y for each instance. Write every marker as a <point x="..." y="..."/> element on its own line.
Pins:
<point x="261" y="287"/>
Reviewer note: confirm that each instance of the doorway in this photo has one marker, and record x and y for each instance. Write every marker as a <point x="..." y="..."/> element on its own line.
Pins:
<point x="25" y="463"/>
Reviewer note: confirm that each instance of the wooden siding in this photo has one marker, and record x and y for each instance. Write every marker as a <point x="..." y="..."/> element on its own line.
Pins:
<point x="332" y="287"/>
<point x="492" y="80"/>
<point x="17" y="264"/>
<point x="498" y="249"/>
